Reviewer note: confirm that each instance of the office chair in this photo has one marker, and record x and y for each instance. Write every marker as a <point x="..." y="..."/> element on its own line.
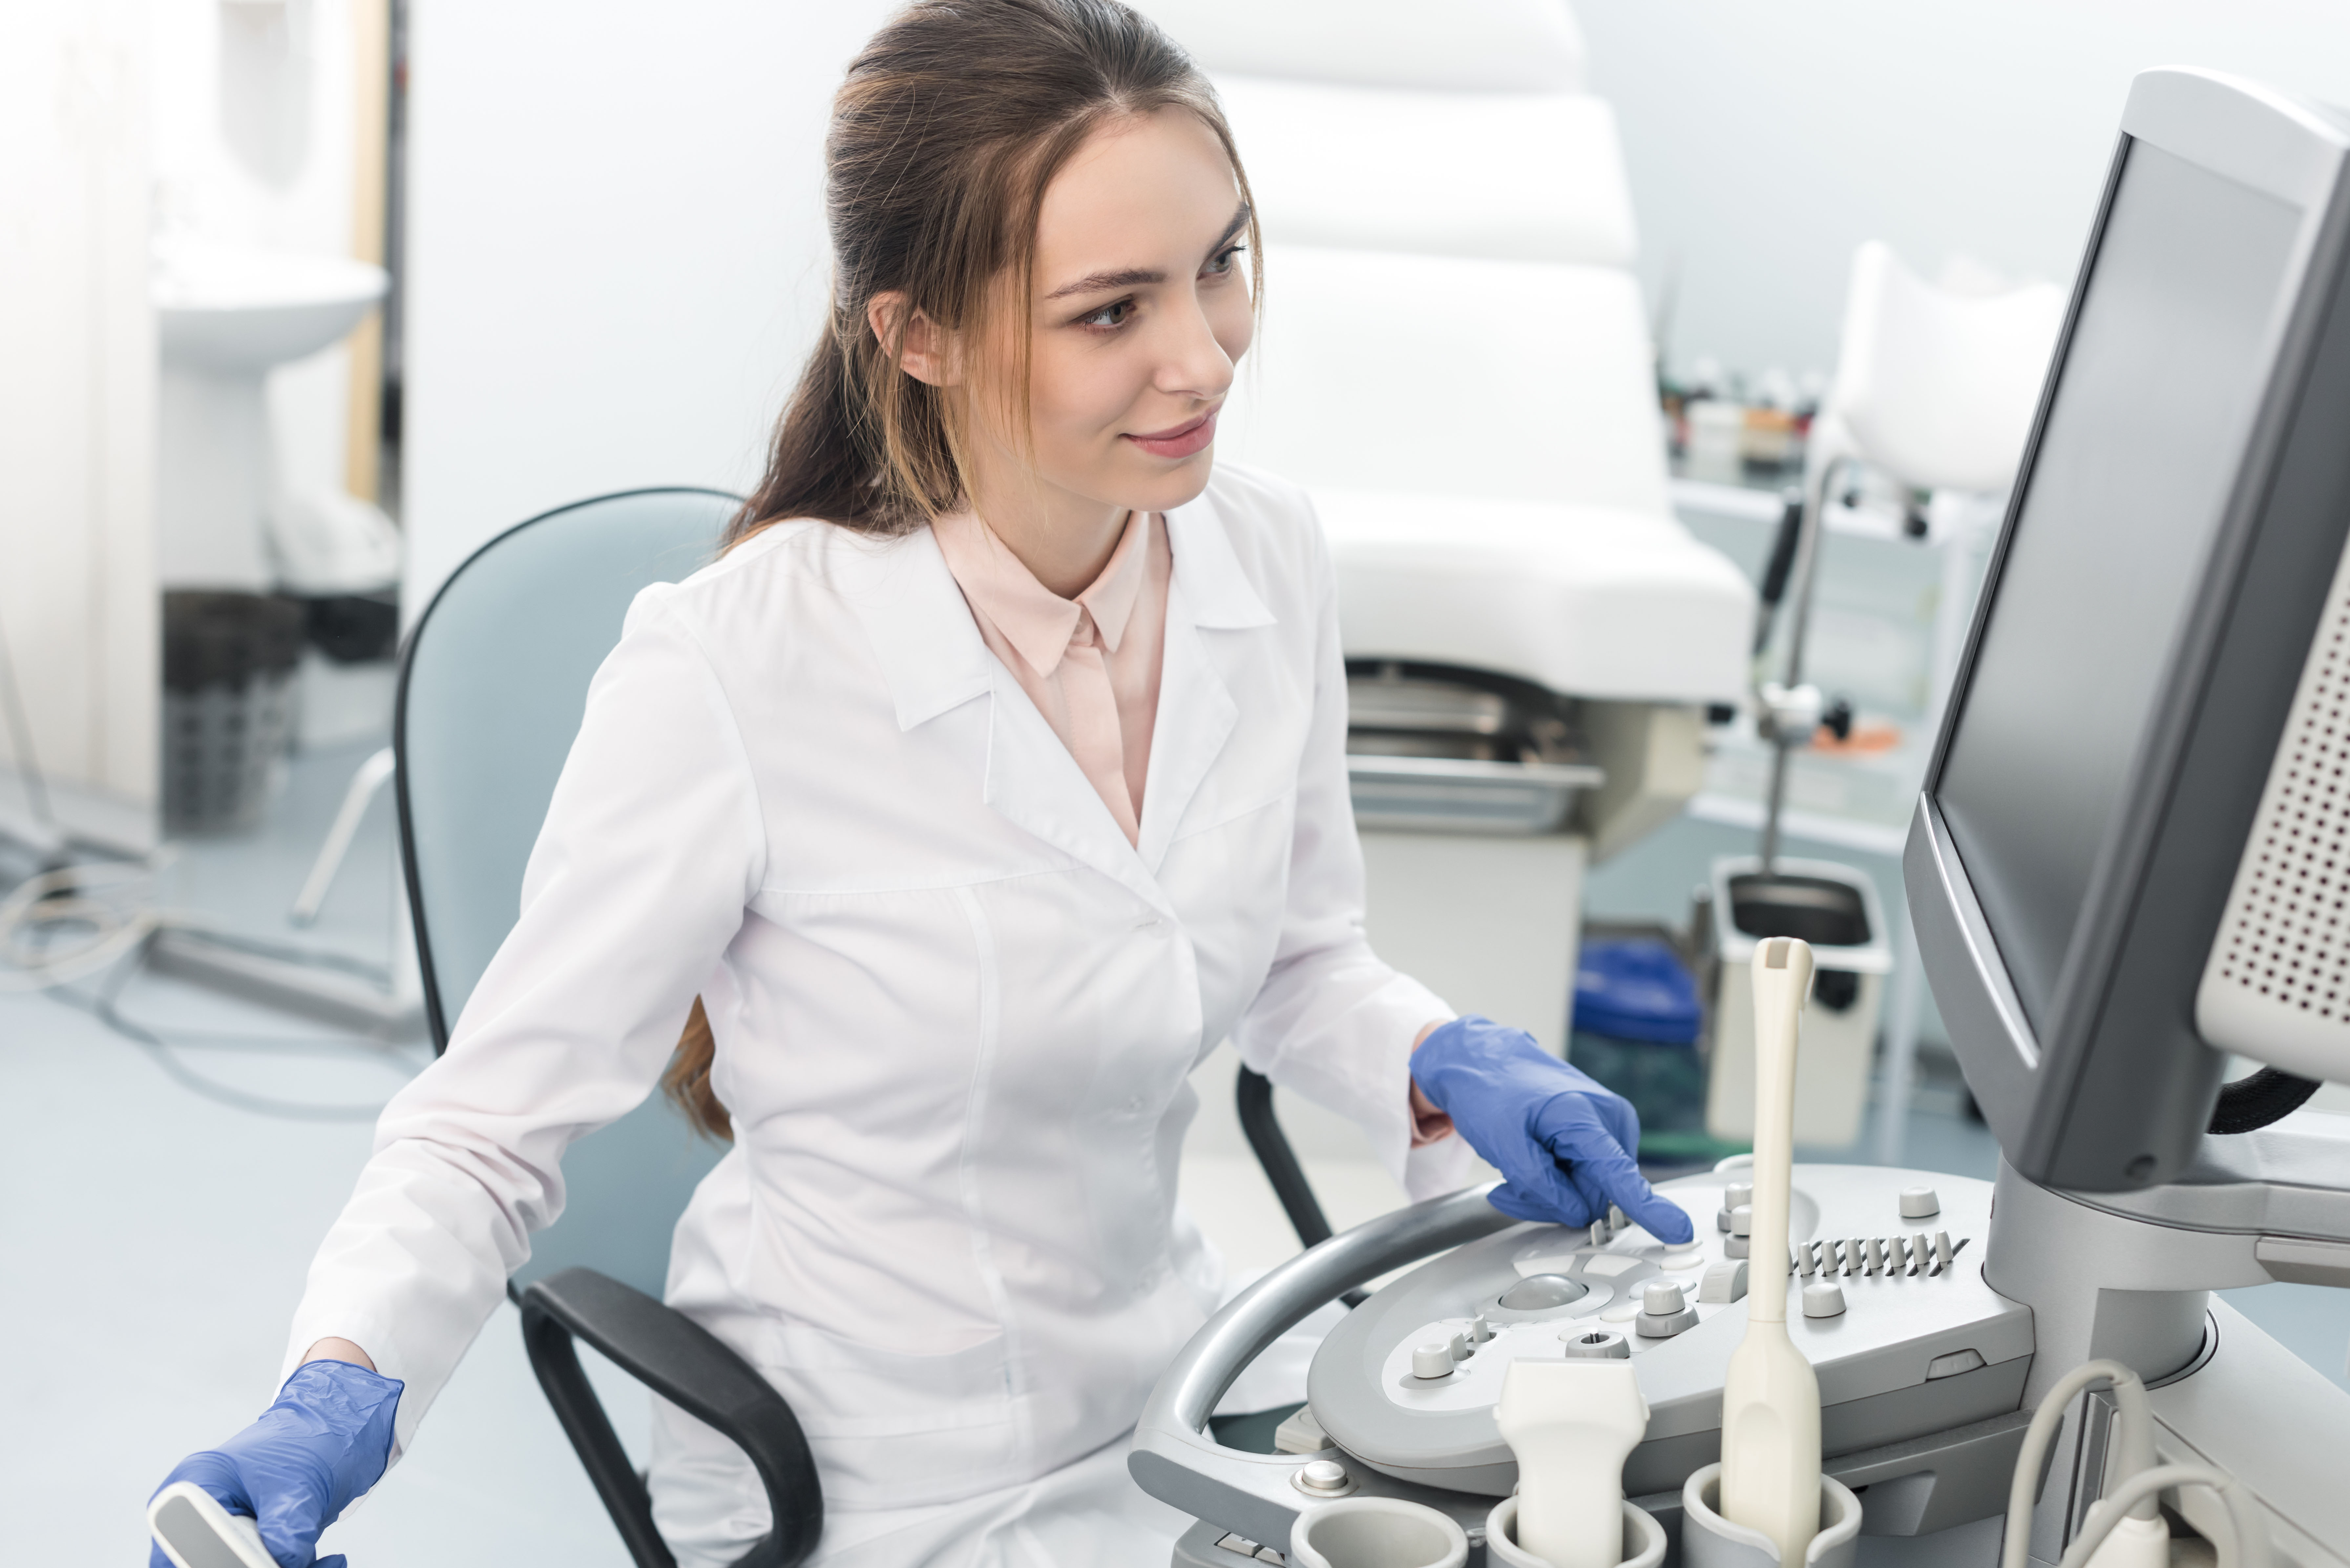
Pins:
<point x="493" y="683"/>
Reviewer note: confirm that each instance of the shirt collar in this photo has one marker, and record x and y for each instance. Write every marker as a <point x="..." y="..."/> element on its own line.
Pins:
<point x="1034" y="620"/>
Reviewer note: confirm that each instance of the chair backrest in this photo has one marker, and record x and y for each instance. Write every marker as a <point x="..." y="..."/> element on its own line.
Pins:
<point x="491" y="688"/>
<point x="1474" y="167"/>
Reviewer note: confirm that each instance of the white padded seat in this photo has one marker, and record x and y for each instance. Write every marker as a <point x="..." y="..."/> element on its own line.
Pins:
<point x="1601" y="601"/>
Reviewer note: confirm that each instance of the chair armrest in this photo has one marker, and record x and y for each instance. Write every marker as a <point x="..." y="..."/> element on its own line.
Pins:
<point x="1255" y="1094"/>
<point x="686" y="1365"/>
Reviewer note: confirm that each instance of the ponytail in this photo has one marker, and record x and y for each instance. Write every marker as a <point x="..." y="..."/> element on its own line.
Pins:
<point x="687" y="1081"/>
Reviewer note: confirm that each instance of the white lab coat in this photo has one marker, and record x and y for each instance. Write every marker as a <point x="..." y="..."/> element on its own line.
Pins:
<point x="954" y="1011"/>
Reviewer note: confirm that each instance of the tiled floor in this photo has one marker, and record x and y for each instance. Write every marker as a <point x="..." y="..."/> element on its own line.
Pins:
<point x="158" y="1237"/>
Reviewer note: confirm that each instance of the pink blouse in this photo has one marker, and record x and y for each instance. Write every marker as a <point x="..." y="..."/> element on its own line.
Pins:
<point x="1090" y="664"/>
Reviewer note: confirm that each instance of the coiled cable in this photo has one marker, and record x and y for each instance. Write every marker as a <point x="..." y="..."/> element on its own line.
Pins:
<point x="95" y="920"/>
<point x="2141" y="1480"/>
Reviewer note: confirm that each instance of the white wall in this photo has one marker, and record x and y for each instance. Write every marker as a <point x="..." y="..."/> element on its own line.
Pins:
<point x="616" y="249"/>
<point x="1766" y="141"/>
<point x="78" y="601"/>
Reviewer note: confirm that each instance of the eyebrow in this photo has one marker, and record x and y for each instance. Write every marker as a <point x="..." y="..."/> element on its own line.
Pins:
<point x="1103" y="282"/>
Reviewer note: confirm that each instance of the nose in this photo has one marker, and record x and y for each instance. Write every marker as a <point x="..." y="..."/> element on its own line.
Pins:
<point x="1192" y="363"/>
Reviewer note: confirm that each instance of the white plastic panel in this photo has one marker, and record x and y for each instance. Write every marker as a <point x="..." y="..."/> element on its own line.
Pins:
<point x="1520" y="176"/>
<point x="2246" y="130"/>
<point x="1452" y="376"/>
<point x="2276" y="986"/>
<point x="1938" y="388"/>
<point x="1492" y="46"/>
<point x="1592" y="601"/>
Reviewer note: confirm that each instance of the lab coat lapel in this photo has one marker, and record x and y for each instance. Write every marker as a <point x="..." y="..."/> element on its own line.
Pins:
<point x="1034" y="783"/>
<point x="921" y="633"/>
<point x="934" y="659"/>
<point x="1210" y="598"/>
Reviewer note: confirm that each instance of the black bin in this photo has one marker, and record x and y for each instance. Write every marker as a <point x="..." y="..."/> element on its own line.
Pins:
<point x="228" y="704"/>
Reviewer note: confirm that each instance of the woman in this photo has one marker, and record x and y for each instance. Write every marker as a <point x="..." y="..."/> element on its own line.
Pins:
<point x="991" y="776"/>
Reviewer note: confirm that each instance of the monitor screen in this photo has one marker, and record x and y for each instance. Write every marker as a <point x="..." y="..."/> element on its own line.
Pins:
<point x="2124" y="495"/>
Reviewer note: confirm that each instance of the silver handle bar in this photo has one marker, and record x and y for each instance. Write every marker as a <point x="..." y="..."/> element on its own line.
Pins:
<point x="1173" y="1458"/>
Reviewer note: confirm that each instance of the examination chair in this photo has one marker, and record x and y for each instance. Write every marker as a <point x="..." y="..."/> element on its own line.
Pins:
<point x="491" y="686"/>
<point x="493" y="683"/>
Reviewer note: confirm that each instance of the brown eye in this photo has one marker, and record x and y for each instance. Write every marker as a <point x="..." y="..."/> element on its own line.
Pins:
<point x="1224" y="261"/>
<point x="1109" y="315"/>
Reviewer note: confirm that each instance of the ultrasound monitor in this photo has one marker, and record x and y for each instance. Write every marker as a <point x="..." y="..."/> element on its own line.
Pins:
<point x="2132" y="852"/>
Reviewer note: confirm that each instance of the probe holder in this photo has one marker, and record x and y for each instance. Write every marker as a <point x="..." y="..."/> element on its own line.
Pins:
<point x="1377" y="1532"/>
<point x="1709" y="1540"/>
<point x="1644" y="1539"/>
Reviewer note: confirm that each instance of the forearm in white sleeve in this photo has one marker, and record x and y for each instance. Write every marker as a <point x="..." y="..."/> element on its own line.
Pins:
<point x="653" y="846"/>
<point x="1332" y="1022"/>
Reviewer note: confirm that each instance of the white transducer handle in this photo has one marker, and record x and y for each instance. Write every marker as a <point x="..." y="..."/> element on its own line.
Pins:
<point x="1771" y="1397"/>
<point x="195" y="1532"/>
<point x="1572" y="1423"/>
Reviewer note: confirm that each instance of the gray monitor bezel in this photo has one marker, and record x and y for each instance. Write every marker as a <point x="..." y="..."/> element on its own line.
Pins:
<point x="2112" y="1092"/>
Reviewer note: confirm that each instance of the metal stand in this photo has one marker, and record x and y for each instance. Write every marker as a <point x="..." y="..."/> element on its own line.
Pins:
<point x="2128" y="1276"/>
<point x="365" y="786"/>
<point x="329" y="995"/>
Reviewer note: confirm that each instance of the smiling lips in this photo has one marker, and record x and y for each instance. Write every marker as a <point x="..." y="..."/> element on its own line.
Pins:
<point x="1181" y="441"/>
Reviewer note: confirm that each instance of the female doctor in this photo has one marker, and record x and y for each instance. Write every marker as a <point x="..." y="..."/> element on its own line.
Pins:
<point x="994" y="773"/>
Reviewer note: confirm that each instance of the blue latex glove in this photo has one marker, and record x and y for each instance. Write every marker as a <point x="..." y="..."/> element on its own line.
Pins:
<point x="1562" y="1141"/>
<point x="294" y="1471"/>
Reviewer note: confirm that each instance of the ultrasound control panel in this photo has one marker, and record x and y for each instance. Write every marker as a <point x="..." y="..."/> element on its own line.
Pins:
<point x="1886" y="1298"/>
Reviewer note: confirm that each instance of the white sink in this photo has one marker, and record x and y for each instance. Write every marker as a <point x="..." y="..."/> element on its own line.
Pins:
<point x="224" y="317"/>
<point x="231" y="310"/>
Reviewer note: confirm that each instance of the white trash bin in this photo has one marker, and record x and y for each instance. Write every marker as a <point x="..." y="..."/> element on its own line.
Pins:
<point x="1834" y="908"/>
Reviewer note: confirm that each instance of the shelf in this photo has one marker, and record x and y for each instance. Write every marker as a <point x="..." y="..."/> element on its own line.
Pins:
<point x="1459" y="795"/>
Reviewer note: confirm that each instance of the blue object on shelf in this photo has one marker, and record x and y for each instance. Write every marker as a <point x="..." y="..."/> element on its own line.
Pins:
<point x="1634" y="988"/>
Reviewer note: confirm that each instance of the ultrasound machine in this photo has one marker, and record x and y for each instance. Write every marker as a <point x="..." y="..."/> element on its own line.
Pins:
<point x="2129" y="863"/>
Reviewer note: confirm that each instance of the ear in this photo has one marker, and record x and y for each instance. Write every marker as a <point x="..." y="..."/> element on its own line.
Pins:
<point x="927" y="354"/>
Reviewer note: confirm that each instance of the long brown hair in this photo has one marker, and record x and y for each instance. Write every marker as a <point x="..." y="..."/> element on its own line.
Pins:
<point x="949" y="127"/>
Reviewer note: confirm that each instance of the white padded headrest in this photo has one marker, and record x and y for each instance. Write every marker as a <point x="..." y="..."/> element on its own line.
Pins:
<point x="1466" y="46"/>
<point x="1521" y="176"/>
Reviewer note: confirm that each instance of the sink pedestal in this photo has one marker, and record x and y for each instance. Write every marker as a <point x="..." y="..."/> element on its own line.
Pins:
<point x="226" y="317"/>
<point x="211" y="479"/>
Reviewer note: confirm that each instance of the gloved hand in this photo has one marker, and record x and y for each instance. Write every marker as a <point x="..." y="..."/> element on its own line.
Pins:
<point x="1562" y="1139"/>
<point x="324" y="1442"/>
